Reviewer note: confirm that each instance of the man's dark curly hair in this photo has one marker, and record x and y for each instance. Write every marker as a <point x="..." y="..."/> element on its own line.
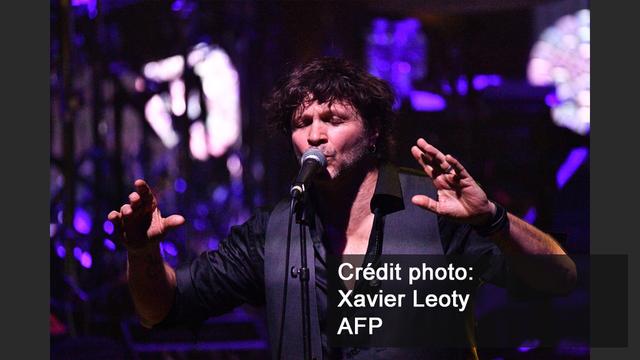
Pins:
<point x="332" y="79"/>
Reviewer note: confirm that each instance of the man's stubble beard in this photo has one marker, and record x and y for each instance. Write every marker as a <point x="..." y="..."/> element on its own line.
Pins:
<point x="352" y="163"/>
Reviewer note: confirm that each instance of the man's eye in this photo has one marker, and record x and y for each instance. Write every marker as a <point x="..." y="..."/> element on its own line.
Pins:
<point x="300" y="123"/>
<point x="337" y="120"/>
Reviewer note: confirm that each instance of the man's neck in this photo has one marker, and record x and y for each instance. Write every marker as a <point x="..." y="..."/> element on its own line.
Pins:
<point x="345" y="202"/>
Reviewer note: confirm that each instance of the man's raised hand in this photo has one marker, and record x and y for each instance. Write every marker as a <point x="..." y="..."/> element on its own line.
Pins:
<point x="459" y="196"/>
<point x="140" y="223"/>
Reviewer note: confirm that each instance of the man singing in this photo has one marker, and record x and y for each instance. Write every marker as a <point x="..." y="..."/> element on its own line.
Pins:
<point x="361" y="204"/>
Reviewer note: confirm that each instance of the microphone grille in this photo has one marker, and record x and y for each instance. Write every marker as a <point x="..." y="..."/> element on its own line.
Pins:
<point x="314" y="153"/>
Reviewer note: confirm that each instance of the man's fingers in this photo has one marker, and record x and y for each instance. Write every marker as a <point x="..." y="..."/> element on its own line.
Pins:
<point x="425" y="202"/>
<point x="173" y="221"/>
<point x="143" y="190"/>
<point x="433" y="156"/>
<point x="126" y="211"/>
<point x="457" y="167"/>
<point x="141" y="185"/>
<point x="419" y="156"/>
<point x="116" y="219"/>
<point x="134" y="200"/>
<point x="113" y="216"/>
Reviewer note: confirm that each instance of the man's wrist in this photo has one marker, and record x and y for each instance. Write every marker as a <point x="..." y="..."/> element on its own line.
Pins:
<point x="495" y="223"/>
<point x="152" y="247"/>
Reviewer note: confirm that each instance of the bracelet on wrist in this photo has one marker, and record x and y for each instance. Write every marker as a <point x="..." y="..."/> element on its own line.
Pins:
<point x="497" y="223"/>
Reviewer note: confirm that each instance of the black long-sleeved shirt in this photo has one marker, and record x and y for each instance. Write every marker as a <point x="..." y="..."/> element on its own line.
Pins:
<point x="219" y="280"/>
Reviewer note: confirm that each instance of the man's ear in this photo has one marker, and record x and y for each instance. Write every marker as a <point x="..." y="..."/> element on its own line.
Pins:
<point x="374" y="137"/>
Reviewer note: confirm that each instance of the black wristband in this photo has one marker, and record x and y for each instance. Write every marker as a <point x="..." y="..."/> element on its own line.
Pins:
<point x="497" y="223"/>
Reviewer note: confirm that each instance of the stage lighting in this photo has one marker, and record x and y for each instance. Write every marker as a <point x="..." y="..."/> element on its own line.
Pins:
<point x="221" y="89"/>
<point x="397" y="52"/>
<point x="561" y="57"/>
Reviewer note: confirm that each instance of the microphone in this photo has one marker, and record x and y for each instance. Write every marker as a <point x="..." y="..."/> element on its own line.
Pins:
<point x="312" y="162"/>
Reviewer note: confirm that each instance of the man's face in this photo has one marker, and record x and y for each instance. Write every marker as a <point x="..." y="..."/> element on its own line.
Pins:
<point x="338" y="131"/>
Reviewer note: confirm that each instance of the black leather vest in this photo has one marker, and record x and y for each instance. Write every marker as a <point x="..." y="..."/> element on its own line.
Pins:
<point x="411" y="230"/>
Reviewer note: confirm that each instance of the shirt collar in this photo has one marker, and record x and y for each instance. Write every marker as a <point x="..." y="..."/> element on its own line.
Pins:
<point x="387" y="197"/>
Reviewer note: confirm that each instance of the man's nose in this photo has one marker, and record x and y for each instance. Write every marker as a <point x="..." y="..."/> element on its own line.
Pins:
<point x="317" y="133"/>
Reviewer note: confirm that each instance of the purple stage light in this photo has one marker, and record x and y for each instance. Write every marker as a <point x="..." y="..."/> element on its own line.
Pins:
<point x="199" y="224"/>
<point x="528" y="345"/>
<point x="426" y="101"/>
<point x="213" y="243"/>
<point x="572" y="348"/>
<point x="82" y="221"/>
<point x="237" y="189"/>
<point x="177" y="5"/>
<point x="53" y="229"/>
<point x="85" y="260"/>
<point x="77" y="253"/>
<point x="531" y="215"/>
<point x="169" y="248"/>
<point x="551" y="100"/>
<point x="109" y="244"/>
<point x="220" y="194"/>
<point x="396" y="52"/>
<point x="92" y="6"/>
<point x="576" y="157"/>
<point x="462" y="86"/>
<point x="446" y="88"/>
<point x="483" y="81"/>
<point x="108" y="227"/>
<point x="60" y="250"/>
<point x="234" y="165"/>
<point x="180" y="185"/>
<point x="403" y="67"/>
<point x="202" y="210"/>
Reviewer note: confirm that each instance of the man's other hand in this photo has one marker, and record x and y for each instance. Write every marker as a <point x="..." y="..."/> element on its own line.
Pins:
<point x="459" y="196"/>
<point x="139" y="223"/>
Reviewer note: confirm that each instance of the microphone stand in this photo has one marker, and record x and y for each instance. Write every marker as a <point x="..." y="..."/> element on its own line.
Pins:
<point x="303" y="274"/>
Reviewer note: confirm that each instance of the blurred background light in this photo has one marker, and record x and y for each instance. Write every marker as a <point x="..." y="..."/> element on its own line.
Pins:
<point x="561" y="57"/>
<point x="180" y="185"/>
<point x="110" y="245"/>
<point x="531" y="215"/>
<point x="160" y="120"/>
<point x="60" y="251"/>
<point x="169" y="248"/>
<point x="222" y="98"/>
<point x="177" y="90"/>
<point x="575" y="158"/>
<point x="77" y="253"/>
<point x="85" y="260"/>
<point x="397" y="52"/>
<point x="108" y="227"/>
<point x="198" y="141"/>
<point x="529" y="345"/>
<point x="234" y="166"/>
<point x="220" y="194"/>
<point x="53" y="229"/>
<point x="82" y="221"/>
<point x="193" y="105"/>
<point x="427" y="101"/>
